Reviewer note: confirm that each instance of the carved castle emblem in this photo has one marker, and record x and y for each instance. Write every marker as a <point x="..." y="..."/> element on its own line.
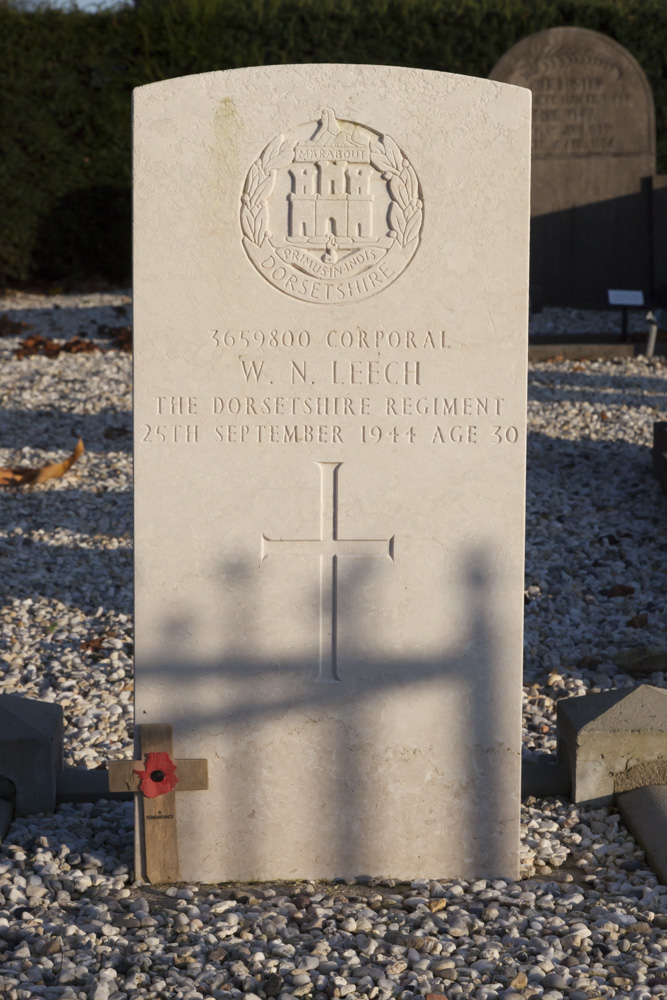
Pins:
<point x="331" y="212"/>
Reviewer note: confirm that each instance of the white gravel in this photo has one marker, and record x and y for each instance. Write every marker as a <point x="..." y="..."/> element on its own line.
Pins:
<point x="588" y="919"/>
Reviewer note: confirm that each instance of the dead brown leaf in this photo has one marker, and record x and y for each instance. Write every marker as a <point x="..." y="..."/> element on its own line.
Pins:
<point x="10" y="327"/>
<point x="121" y="335"/>
<point x="92" y="645"/>
<point x="52" y="348"/>
<point x="589" y="661"/>
<point x="637" y="621"/>
<point x="95" y="644"/>
<point x="619" y="590"/>
<point x="111" y="433"/>
<point x="24" y="476"/>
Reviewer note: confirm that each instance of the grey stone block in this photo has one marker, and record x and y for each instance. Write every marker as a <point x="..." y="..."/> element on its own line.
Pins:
<point x="602" y="736"/>
<point x="644" y="811"/>
<point x="31" y="751"/>
<point x="7" y="803"/>
<point x="544" y="777"/>
<point x="660" y="453"/>
<point x="6" y="816"/>
<point x="79" y="784"/>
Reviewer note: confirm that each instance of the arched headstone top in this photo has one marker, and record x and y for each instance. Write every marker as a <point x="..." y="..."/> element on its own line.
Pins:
<point x="591" y="97"/>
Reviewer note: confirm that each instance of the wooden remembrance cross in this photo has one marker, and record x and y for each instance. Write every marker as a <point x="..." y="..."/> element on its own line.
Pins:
<point x="157" y="777"/>
<point x="330" y="548"/>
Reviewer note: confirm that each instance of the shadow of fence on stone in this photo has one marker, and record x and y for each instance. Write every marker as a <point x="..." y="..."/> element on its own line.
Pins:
<point x="320" y="765"/>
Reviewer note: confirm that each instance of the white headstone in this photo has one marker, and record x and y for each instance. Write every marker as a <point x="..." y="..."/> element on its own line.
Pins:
<point x="330" y="324"/>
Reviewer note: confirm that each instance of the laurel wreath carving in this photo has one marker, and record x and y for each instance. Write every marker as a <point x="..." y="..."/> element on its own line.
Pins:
<point x="405" y="211"/>
<point x="258" y="186"/>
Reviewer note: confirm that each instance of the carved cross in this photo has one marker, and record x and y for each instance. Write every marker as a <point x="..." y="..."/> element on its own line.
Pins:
<point x="329" y="547"/>
<point x="157" y="777"/>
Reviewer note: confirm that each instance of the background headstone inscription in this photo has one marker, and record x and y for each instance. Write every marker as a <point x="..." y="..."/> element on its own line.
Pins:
<point x="330" y="324"/>
<point x="593" y="158"/>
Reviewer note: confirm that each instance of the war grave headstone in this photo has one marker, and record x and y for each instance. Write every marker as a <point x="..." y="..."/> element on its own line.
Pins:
<point x="595" y="202"/>
<point x="331" y="270"/>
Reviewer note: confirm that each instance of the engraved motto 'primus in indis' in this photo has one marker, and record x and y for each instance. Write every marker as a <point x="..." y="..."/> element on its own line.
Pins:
<point x="331" y="211"/>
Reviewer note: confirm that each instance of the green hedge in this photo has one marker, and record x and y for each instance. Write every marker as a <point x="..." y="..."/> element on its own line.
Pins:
<point x="66" y="78"/>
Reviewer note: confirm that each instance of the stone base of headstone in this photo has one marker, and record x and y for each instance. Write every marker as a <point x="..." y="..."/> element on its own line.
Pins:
<point x="31" y="751"/>
<point x="660" y="453"/>
<point x="612" y="742"/>
<point x="644" y="812"/>
<point x="78" y="784"/>
<point x="7" y="803"/>
<point x="6" y="816"/>
<point x="544" y="777"/>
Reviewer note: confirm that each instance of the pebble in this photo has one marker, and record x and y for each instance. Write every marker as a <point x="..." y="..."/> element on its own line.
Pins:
<point x="588" y="918"/>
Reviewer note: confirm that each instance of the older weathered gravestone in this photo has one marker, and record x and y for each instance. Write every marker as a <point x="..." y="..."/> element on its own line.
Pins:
<point x="330" y="329"/>
<point x="593" y="161"/>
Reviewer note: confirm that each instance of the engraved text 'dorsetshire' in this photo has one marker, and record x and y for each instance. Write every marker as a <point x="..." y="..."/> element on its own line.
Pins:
<point x="331" y="211"/>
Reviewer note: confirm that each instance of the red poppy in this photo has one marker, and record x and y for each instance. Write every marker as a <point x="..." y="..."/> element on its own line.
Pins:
<point x="159" y="776"/>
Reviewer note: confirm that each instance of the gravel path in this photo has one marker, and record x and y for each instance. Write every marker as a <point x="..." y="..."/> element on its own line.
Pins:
<point x="588" y="919"/>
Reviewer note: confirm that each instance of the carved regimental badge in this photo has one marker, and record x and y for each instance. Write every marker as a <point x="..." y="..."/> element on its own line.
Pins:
<point x="331" y="211"/>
